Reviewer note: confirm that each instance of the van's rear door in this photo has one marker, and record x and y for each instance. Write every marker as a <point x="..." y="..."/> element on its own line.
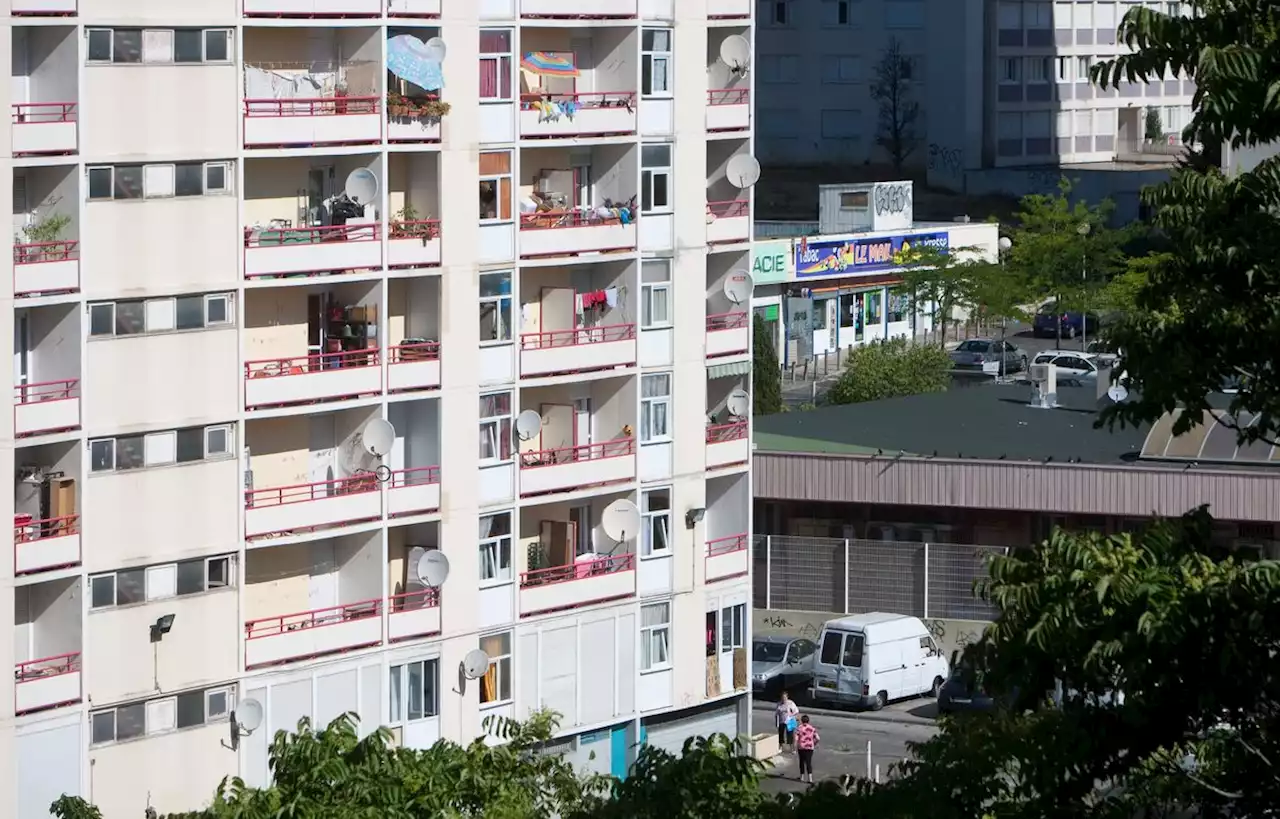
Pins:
<point x="839" y="666"/>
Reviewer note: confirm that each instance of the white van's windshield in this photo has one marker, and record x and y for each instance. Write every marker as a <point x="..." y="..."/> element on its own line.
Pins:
<point x="841" y="648"/>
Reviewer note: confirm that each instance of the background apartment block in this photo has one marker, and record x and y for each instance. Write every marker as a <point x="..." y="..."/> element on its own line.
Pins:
<point x="529" y="288"/>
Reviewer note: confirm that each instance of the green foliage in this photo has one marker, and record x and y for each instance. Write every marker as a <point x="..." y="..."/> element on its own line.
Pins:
<point x="898" y="115"/>
<point x="941" y="281"/>
<point x="1153" y="128"/>
<point x="766" y="373"/>
<point x="891" y="368"/>
<point x="48" y="229"/>
<point x="73" y="807"/>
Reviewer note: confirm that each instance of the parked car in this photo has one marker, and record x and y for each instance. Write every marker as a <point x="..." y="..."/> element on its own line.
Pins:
<point x="869" y="659"/>
<point x="781" y="663"/>
<point x="1049" y="316"/>
<point x="984" y="355"/>
<point x="1070" y="365"/>
<point x="964" y="691"/>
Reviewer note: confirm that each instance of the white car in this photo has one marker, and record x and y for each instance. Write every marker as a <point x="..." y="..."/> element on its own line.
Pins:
<point x="1070" y="365"/>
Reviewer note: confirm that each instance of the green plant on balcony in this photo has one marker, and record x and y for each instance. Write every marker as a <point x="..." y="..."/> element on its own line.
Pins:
<point x="431" y="109"/>
<point x="537" y="559"/>
<point x="407" y="223"/>
<point x="42" y="235"/>
<point x="397" y="106"/>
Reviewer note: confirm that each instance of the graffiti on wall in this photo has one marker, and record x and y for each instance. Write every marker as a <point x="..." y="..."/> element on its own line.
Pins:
<point x="950" y="635"/>
<point x="945" y="160"/>
<point x="892" y="199"/>
<point x="954" y="635"/>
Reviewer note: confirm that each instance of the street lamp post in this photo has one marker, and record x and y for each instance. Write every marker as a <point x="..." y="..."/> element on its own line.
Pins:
<point x="1083" y="230"/>
<point x="1004" y="244"/>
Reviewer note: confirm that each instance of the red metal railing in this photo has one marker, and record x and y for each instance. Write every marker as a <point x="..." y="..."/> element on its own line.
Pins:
<point x="33" y="530"/>
<point x="727" y="321"/>
<point x="728" y="96"/>
<point x="553" y="339"/>
<point x="723" y="433"/>
<point x="591" y="99"/>
<point x="409" y="353"/>
<point x="45" y="667"/>
<point x="290" y="237"/>
<point x="726" y="545"/>
<point x="576" y="454"/>
<point x="579" y="571"/>
<point x="62" y="390"/>
<point x="311" y="364"/>
<point x="307" y="492"/>
<point x="312" y="107"/>
<point x="332" y="616"/>
<point x="428" y="598"/>
<point x="729" y="208"/>
<point x="554" y="219"/>
<point x="35" y="252"/>
<point x="415" y="476"/>
<point x="31" y="113"/>
<point x="423" y="229"/>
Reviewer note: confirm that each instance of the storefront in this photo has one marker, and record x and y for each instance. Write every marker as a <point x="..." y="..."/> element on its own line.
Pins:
<point x="770" y="270"/>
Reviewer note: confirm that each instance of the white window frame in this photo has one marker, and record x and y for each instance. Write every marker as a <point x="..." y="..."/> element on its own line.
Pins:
<point x="648" y="404"/>
<point x="505" y="61"/>
<point x="648" y="288"/>
<point x="224" y="429"/>
<point x="160" y="581"/>
<point x="226" y="178"/>
<point x="230" y="309"/>
<point x="398" y="688"/>
<point x="651" y="521"/>
<point x="1084" y="62"/>
<point x="502" y="547"/>
<point x="154" y="715"/>
<point x="159" y="316"/>
<point x="503" y="428"/>
<point x="204" y="46"/>
<point x="504" y="665"/>
<point x="652" y="57"/>
<point x="160" y="448"/>
<point x="651" y="632"/>
<point x="1010" y="71"/>
<point x="1036" y="66"/>
<point x="504" y="311"/>
<point x="228" y="571"/>
<point x="733" y="627"/>
<point x="649" y="172"/>
<point x="112" y="443"/>
<point x="1062" y="69"/>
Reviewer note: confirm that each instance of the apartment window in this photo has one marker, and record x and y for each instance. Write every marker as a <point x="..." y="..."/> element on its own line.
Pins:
<point x="777" y="12"/>
<point x="837" y="68"/>
<point x="655" y="178"/>
<point x="495" y="427"/>
<point x="109" y="319"/>
<point x="779" y="68"/>
<point x="159" y="181"/>
<point x="184" y="46"/>
<point x="655" y="293"/>
<point x="159" y="716"/>
<point x="1009" y="15"/>
<point x="1037" y="69"/>
<point x="1010" y="70"/>
<point x="1083" y="64"/>
<point x="160" y="582"/>
<point x="495" y="549"/>
<point x="415" y="691"/>
<point x="495" y="685"/>
<point x="495" y="64"/>
<point x="655" y="522"/>
<point x="1062" y="68"/>
<point x="495" y="186"/>
<point x="495" y="307"/>
<point x="1040" y="15"/>
<point x="170" y="446"/>
<point x="655" y="62"/>
<point x="733" y="627"/>
<point x="655" y="408"/>
<point x="655" y="636"/>
<point x="835" y="12"/>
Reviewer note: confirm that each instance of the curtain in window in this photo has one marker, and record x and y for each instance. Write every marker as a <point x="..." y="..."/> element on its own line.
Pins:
<point x="488" y="78"/>
<point x="489" y="684"/>
<point x="654" y="647"/>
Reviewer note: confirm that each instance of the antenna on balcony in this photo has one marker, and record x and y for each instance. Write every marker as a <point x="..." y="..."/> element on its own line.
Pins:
<point x="372" y="442"/>
<point x="738" y="286"/>
<point x="528" y="425"/>
<point x="620" y="520"/>
<point x="476" y="664"/>
<point x="743" y="171"/>
<point x="246" y="718"/>
<point x="362" y="186"/>
<point x="735" y="52"/>
<point x="432" y="568"/>
<point x="738" y="403"/>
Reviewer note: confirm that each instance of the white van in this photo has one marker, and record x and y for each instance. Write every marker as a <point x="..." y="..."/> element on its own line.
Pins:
<point x="870" y="659"/>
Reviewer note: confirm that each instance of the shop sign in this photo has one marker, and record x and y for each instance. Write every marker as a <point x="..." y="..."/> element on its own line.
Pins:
<point x="770" y="262"/>
<point x="858" y="256"/>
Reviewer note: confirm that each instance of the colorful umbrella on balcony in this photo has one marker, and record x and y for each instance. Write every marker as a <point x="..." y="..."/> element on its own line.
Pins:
<point x="410" y="60"/>
<point x="549" y="65"/>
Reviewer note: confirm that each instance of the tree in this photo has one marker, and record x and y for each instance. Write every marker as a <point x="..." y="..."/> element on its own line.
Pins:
<point x="891" y="368"/>
<point x="899" y="114"/>
<point x="942" y="280"/>
<point x="1153" y="129"/>
<point x="1223" y="271"/>
<point x="766" y="374"/>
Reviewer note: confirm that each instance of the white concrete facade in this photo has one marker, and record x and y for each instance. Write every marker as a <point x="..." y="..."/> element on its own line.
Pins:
<point x="202" y="335"/>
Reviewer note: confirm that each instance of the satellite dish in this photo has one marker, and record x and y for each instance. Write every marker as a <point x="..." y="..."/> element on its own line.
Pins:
<point x="743" y="171"/>
<point x="620" y="520"/>
<point x="248" y="715"/>
<point x="432" y="568"/>
<point x="435" y="50"/>
<point x="738" y="403"/>
<point x="528" y="424"/>
<point x="1117" y="393"/>
<point x="378" y="436"/>
<point x="735" y="52"/>
<point x="738" y="286"/>
<point x="476" y="664"/>
<point x="362" y="186"/>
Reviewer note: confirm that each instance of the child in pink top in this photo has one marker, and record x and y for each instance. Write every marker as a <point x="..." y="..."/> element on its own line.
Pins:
<point x="807" y="740"/>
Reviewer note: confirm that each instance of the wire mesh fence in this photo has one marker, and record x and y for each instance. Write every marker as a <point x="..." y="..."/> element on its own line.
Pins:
<point x="857" y="576"/>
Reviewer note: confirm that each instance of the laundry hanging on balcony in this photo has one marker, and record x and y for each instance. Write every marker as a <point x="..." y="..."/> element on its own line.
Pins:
<point x="410" y="60"/>
<point x="547" y="64"/>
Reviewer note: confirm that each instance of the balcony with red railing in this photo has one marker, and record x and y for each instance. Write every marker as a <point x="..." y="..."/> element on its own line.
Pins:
<point x="413" y="491"/>
<point x="46" y="406"/>
<point x="589" y="579"/>
<point x="44" y="128"/>
<point x="728" y="220"/>
<point x="573" y="232"/>
<point x="728" y="109"/>
<point x="548" y="115"/>
<point x="314" y="633"/>
<point x="43" y="8"/>
<point x="556" y="223"/>
<point x="299" y="122"/>
<point x="728" y="333"/>
<point x="422" y="9"/>
<point x="727" y="557"/>
<point x="414" y="243"/>
<point x="414" y="614"/>
<point x="48" y="682"/>
<point x="46" y="268"/>
<point x="45" y="545"/>
<point x="413" y="366"/>
<point x="310" y="507"/>
<point x="727" y="444"/>
<point x="310" y="379"/>
<point x="569" y="468"/>
<point x="275" y="252"/>
<point x="319" y="9"/>
<point x="582" y="350"/>
<point x="728" y="9"/>
<point x="577" y="10"/>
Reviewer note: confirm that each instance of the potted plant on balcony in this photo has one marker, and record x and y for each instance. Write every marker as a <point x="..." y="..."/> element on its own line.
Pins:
<point x="41" y="234"/>
<point x="396" y="106"/>
<point x="431" y="109"/>
<point x="537" y="559"/>
<point x="409" y="224"/>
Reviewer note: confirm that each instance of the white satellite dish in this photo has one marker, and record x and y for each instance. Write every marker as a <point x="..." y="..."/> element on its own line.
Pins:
<point x="528" y="424"/>
<point x="620" y="520"/>
<point x="378" y="436"/>
<point x="476" y="664"/>
<point x="735" y="52"/>
<point x="738" y="286"/>
<point x="743" y="171"/>
<point x="738" y="403"/>
<point x="432" y="568"/>
<point x="362" y="186"/>
<point x="1117" y="393"/>
<point x="434" y="50"/>
<point x="248" y="715"/>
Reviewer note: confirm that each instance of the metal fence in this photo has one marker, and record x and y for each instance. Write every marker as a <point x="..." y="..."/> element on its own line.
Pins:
<point x="856" y="576"/>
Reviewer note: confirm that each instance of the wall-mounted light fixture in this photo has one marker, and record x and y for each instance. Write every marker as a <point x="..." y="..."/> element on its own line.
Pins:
<point x="162" y="626"/>
<point x="694" y="516"/>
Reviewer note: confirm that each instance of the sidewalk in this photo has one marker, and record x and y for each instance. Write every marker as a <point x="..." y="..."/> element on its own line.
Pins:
<point x="894" y="713"/>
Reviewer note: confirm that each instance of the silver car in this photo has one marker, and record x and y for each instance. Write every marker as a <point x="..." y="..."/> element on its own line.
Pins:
<point x="780" y="663"/>
<point x="985" y="355"/>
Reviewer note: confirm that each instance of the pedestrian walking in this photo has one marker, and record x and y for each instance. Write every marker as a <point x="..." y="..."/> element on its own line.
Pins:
<point x="784" y="715"/>
<point x="807" y="740"/>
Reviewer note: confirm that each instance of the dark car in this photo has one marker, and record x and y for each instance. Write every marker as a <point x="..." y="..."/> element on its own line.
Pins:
<point x="965" y="691"/>
<point x="1048" y="317"/>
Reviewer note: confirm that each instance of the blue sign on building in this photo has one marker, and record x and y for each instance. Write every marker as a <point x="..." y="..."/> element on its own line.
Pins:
<point x="857" y="256"/>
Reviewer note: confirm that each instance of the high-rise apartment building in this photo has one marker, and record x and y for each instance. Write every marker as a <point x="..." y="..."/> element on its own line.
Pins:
<point x="307" y="291"/>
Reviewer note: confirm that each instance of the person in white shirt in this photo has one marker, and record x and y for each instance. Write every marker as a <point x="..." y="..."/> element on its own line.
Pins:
<point x="784" y="714"/>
